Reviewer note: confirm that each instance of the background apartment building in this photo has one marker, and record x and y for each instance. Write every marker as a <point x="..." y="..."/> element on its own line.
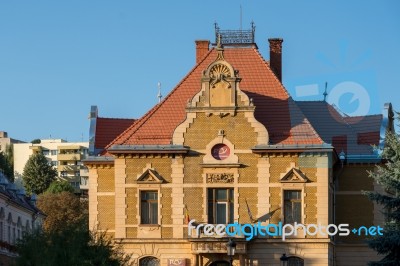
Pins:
<point x="6" y="141"/>
<point x="65" y="156"/>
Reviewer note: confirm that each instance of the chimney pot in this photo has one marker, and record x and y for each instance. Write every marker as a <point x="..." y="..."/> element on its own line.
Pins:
<point x="275" y="56"/>
<point x="202" y="48"/>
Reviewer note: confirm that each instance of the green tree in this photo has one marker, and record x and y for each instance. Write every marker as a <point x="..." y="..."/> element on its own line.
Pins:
<point x="62" y="209"/>
<point x="36" y="141"/>
<point x="73" y="245"/>
<point x="388" y="176"/>
<point x="59" y="186"/>
<point x="6" y="167"/>
<point x="66" y="239"/>
<point x="38" y="174"/>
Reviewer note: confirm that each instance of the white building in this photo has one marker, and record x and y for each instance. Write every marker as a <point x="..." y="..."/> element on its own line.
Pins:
<point x="64" y="156"/>
<point x="18" y="214"/>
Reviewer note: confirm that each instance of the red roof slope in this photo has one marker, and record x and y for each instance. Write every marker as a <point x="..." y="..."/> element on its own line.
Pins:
<point x="108" y="129"/>
<point x="353" y="135"/>
<point x="275" y="109"/>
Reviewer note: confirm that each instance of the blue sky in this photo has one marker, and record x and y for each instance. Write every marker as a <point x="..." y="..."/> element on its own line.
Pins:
<point x="57" y="58"/>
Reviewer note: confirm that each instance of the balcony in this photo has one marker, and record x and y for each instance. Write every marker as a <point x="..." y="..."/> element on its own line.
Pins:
<point x="84" y="172"/>
<point x="69" y="157"/>
<point x="69" y="168"/>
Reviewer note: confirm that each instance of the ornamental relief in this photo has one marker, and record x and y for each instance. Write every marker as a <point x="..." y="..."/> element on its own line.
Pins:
<point x="219" y="73"/>
<point x="220" y="178"/>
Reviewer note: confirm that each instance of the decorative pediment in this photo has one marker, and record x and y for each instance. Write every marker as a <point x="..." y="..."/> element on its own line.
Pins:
<point x="220" y="178"/>
<point x="150" y="176"/>
<point x="294" y="176"/>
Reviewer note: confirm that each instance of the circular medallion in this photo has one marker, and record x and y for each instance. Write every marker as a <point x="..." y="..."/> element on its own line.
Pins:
<point x="220" y="151"/>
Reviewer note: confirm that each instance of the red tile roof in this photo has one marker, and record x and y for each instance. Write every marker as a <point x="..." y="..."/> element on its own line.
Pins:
<point x="353" y="135"/>
<point x="108" y="129"/>
<point x="284" y="121"/>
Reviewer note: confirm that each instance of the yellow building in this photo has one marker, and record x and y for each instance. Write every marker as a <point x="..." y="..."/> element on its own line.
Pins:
<point x="228" y="154"/>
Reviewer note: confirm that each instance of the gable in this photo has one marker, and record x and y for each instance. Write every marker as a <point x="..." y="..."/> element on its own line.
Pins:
<point x="273" y="106"/>
<point x="294" y="176"/>
<point x="150" y="176"/>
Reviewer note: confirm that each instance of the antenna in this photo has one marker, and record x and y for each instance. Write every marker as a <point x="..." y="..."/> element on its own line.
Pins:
<point x="159" y="92"/>
<point x="240" y="17"/>
<point x="325" y="93"/>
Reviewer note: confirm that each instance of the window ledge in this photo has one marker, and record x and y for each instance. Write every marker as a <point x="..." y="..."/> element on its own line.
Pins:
<point x="149" y="225"/>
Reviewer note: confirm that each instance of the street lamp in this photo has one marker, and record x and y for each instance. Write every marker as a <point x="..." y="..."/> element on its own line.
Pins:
<point x="230" y="249"/>
<point x="342" y="157"/>
<point x="284" y="260"/>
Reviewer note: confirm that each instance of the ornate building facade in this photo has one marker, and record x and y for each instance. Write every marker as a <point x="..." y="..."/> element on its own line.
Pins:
<point x="18" y="216"/>
<point x="228" y="145"/>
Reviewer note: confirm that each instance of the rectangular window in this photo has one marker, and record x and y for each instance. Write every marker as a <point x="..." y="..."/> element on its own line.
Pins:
<point x="292" y="206"/>
<point x="45" y="152"/>
<point x="220" y="205"/>
<point x="53" y="152"/>
<point x="149" y="207"/>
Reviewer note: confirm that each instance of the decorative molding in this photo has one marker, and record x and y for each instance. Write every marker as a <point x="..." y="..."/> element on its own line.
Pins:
<point x="210" y="246"/>
<point x="294" y="176"/>
<point x="220" y="178"/>
<point x="150" y="176"/>
<point x="219" y="73"/>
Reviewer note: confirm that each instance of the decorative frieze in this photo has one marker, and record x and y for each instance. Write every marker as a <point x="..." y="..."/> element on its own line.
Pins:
<point x="220" y="178"/>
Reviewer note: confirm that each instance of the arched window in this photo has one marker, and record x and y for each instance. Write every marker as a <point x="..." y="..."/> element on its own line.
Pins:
<point x="295" y="261"/>
<point x="2" y="215"/>
<point x="149" y="261"/>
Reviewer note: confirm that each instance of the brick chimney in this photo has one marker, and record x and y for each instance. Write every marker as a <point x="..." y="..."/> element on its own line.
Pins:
<point x="201" y="49"/>
<point x="275" y="56"/>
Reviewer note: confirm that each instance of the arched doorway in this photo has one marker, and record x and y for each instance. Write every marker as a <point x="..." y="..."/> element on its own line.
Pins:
<point x="220" y="263"/>
<point x="295" y="261"/>
<point x="149" y="261"/>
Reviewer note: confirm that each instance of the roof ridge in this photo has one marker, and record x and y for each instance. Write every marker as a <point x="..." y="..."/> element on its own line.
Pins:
<point x="116" y="118"/>
<point x="313" y="101"/>
<point x="343" y="118"/>
<point x="269" y="68"/>
<point x="152" y="110"/>
<point x="139" y="122"/>
<point x="357" y="116"/>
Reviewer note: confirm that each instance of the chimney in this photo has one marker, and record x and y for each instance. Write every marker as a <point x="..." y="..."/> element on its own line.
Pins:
<point x="201" y="49"/>
<point x="275" y="56"/>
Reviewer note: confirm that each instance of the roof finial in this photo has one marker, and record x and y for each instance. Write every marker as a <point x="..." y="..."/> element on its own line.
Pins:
<point x="159" y="92"/>
<point x="325" y="93"/>
<point x="219" y="41"/>
<point x="220" y="49"/>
